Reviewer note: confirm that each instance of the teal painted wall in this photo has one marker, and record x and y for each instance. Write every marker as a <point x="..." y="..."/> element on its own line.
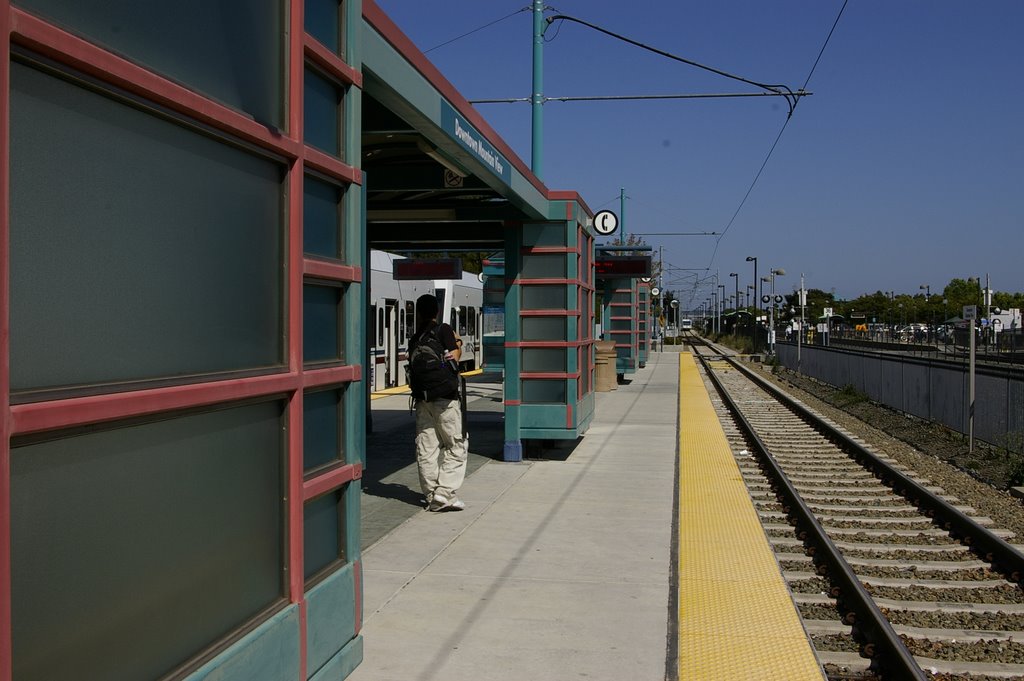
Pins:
<point x="330" y="618"/>
<point x="269" y="653"/>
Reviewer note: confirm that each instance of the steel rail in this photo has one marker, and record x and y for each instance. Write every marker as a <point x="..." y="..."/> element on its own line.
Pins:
<point x="882" y="643"/>
<point x="995" y="550"/>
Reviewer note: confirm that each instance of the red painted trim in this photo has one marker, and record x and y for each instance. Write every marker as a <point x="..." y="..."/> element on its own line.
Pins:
<point x="331" y="480"/>
<point x="296" y="516"/>
<point x="539" y="250"/>
<point x="509" y="281"/>
<point x="543" y="344"/>
<point x="332" y="166"/>
<point x="325" y="269"/>
<point x="71" y="50"/>
<point x="331" y="63"/>
<point x="314" y="378"/>
<point x="568" y="416"/>
<point x="562" y="195"/>
<point x="390" y="32"/>
<point x="357" y="572"/>
<point x="548" y="374"/>
<point x="549" y="313"/>
<point x="513" y="403"/>
<point x="6" y="671"/>
<point x="40" y="416"/>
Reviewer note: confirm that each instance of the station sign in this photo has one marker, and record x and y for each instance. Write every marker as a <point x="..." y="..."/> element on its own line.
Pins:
<point x="455" y="125"/>
<point x="622" y="266"/>
<point x="970" y="312"/>
<point x="605" y="222"/>
<point x="421" y="269"/>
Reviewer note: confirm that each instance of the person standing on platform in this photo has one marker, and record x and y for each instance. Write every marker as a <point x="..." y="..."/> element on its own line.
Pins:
<point x="441" y="455"/>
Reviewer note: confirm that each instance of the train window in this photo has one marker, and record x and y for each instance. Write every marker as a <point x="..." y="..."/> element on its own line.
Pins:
<point x="410" y="317"/>
<point x="471" y="321"/>
<point x="380" y="327"/>
<point x="373" y="324"/>
<point x="400" y="322"/>
<point x="463" y="316"/>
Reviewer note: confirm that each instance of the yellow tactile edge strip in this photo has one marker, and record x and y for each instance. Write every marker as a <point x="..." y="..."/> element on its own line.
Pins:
<point x="404" y="389"/>
<point x="736" y="617"/>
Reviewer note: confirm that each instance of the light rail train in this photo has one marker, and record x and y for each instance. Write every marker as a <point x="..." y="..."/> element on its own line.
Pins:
<point x="393" y="318"/>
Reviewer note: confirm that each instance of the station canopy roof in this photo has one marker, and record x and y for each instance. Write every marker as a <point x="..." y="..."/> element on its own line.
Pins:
<point x="437" y="176"/>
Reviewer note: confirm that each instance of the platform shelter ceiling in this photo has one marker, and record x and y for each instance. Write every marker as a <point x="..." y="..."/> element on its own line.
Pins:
<point x="437" y="177"/>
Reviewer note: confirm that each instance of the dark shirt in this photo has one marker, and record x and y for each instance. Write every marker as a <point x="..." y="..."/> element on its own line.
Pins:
<point x="446" y="335"/>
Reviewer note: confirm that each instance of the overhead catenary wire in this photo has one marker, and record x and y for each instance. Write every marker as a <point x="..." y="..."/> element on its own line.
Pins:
<point x="779" y="136"/>
<point x="479" y="28"/>
<point x="779" y="89"/>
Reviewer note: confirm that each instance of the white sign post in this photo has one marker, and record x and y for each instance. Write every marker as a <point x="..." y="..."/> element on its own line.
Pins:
<point x="970" y="314"/>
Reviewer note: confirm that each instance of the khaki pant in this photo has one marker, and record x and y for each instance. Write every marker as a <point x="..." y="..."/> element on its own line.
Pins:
<point x="440" y="447"/>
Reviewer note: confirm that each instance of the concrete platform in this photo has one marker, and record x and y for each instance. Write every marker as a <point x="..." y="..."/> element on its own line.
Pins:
<point x="558" y="568"/>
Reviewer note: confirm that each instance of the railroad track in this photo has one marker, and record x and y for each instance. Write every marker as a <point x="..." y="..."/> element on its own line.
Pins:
<point x="916" y="584"/>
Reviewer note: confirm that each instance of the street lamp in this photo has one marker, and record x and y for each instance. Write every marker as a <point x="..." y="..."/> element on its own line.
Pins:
<point x="771" y="317"/>
<point x="736" y="324"/>
<point x="721" y="306"/>
<point x="714" y="311"/>
<point x="931" y="317"/>
<point x="757" y="303"/>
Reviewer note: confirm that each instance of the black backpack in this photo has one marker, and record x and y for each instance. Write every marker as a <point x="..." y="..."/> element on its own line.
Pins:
<point x="430" y="376"/>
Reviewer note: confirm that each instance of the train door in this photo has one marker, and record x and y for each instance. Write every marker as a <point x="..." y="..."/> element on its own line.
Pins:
<point x="391" y="342"/>
<point x="372" y="342"/>
<point x="409" y="316"/>
<point x="470" y="342"/>
<point x="380" y="379"/>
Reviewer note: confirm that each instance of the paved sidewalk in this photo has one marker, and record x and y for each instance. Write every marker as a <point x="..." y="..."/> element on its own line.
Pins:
<point x="557" y="569"/>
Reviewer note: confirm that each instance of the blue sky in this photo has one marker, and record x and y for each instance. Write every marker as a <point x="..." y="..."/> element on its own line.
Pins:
<point x="905" y="167"/>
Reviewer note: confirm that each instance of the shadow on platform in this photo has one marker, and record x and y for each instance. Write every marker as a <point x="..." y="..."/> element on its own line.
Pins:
<point x="391" y="489"/>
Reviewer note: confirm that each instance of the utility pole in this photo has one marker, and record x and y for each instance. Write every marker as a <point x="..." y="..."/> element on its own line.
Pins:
<point x="622" y="213"/>
<point x="803" y="307"/>
<point x="661" y="282"/>
<point x="536" y="97"/>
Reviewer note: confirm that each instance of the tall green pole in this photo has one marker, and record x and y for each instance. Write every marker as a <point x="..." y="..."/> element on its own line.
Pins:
<point x="536" y="102"/>
<point x="622" y="213"/>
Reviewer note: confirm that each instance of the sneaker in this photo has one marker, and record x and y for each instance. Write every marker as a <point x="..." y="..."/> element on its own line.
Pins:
<point x="454" y="504"/>
<point x="439" y="503"/>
